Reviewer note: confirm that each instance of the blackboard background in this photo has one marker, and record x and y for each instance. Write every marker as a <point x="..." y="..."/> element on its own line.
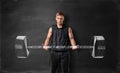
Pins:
<point x="33" y="18"/>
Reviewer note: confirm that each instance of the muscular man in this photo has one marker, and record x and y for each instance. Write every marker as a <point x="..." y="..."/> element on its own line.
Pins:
<point x="60" y="35"/>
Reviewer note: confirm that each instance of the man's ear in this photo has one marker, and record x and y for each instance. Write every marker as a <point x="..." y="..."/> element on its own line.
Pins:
<point x="63" y="18"/>
<point x="55" y="18"/>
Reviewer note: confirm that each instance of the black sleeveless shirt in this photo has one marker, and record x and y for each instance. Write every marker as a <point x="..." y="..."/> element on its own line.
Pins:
<point x="60" y="37"/>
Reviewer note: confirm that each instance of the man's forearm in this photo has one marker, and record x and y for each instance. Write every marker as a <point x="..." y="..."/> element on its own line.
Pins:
<point x="46" y="42"/>
<point x="73" y="43"/>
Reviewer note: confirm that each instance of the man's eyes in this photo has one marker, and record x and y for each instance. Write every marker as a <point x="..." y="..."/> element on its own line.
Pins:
<point x="59" y="18"/>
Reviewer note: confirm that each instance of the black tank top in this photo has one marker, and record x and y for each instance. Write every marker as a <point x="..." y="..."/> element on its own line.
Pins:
<point x="60" y="37"/>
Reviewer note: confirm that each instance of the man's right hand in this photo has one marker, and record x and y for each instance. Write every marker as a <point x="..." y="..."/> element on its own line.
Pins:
<point x="45" y="48"/>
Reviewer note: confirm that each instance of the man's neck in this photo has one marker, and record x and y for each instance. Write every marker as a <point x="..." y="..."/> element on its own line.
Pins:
<point x="59" y="25"/>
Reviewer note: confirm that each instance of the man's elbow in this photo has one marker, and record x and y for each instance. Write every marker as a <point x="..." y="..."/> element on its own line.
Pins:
<point x="71" y="38"/>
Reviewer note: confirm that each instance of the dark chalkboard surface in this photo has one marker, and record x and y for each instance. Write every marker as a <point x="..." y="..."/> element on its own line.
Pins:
<point x="33" y="18"/>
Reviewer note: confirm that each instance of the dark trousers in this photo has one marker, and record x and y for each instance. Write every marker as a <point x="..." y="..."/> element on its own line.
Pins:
<point x="60" y="60"/>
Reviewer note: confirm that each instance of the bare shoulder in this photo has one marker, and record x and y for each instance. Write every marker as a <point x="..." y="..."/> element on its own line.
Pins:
<point x="50" y="29"/>
<point x="69" y="29"/>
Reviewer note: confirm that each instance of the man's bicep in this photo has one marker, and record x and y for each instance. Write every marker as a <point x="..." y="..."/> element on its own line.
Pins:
<point x="49" y="33"/>
<point x="70" y="33"/>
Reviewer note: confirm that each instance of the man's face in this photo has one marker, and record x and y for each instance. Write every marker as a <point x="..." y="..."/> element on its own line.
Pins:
<point x="59" y="19"/>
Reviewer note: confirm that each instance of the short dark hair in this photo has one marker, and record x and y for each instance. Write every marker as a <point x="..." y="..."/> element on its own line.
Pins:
<point x="60" y="13"/>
